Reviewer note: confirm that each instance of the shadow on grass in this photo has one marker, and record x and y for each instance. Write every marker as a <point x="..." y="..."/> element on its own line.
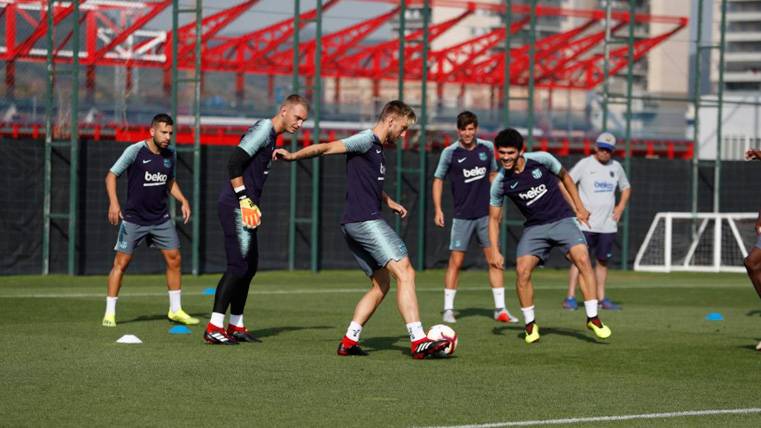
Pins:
<point x="753" y="313"/>
<point x="144" y="318"/>
<point x="274" y="331"/>
<point x="373" y="344"/>
<point x="475" y="312"/>
<point x="545" y="331"/>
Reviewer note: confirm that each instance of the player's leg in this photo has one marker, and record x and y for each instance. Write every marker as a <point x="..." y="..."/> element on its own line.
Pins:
<point x="129" y="237"/>
<point x="451" y="280"/>
<point x="236" y="327"/>
<point x="573" y="279"/>
<point x="380" y="284"/>
<point x="164" y="237"/>
<point x="121" y="261"/>
<point x="579" y="255"/>
<point x="496" y="276"/>
<point x="753" y="267"/>
<point x="603" y="252"/>
<point x="524" y="267"/>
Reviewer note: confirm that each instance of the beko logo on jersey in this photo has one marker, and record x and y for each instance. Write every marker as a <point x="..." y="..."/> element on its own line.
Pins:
<point x="604" y="186"/>
<point x="155" y="179"/>
<point x="534" y="194"/>
<point x="474" y="174"/>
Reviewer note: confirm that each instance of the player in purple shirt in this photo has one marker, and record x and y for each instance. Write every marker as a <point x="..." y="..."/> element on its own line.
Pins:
<point x="530" y="180"/>
<point x="150" y="179"/>
<point x="753" y="261"/>
<point x="469" y="163"/>
<point x="376" y="247"/>
<point x="238" y="208"/>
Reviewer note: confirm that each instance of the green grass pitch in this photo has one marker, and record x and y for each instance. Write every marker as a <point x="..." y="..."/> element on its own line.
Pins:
<point x="60" y="367"/>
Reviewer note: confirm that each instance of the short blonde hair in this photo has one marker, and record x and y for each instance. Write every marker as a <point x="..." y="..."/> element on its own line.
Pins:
<point x="399" y="109"/>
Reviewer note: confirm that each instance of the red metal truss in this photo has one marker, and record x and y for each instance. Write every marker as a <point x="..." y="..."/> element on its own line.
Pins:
<point x="378" y="61"/>
<point x="333" y="45"/>
<point x="116" y="34"/>
<point x="241" y="53"/>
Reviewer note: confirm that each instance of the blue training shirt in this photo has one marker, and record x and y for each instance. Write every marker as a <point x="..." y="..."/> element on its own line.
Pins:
<point x="365" y="173"/>
<point x="534" y="191"/>
<point x="259" y="143"/>
<point x="147" y="177"/>
<point x="468" y="172"/>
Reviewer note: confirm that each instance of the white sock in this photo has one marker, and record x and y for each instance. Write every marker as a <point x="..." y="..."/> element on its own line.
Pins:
<point x="528" y="314"/>
<point x="175" y="300"/>
<point x="354" y="331"/>
<point x="217" y="319"/>
<point x="415" y="329"/>
<point x="111" y="305"/>
<point x="499" y="297"/>
<point x="591" y="307"/>
<point x="449" y="298"/>
<point x="236" y="320"/>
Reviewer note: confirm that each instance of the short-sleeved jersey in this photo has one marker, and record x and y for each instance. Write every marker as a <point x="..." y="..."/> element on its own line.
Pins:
<point x="534" y="191"/>
<point x="148" y="175"/>
<point x="468" y="171"/>
<point x="365" y="173"/>
<point x="259" y="143"/>
<point x="597" y="189"/>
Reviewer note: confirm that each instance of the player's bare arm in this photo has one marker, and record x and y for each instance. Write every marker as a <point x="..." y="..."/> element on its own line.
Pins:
<point x="322" y="149"/>
<point x="436" y="191"/>
<point x="581" y="212"/>
<point x="114" y="209"/>
<point x="176" y="192"/>
<point x="618" y="211"/>
<point x="753" y="154"/>
<point x="496" y="259"/>
<point x="396" y="207"/>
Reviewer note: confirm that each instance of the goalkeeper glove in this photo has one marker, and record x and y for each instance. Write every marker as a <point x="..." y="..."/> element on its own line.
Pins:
<point x="250" y="213"/>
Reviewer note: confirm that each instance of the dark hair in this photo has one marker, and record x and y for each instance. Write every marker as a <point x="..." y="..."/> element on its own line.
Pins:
<point x="509" y="137"/>
<point x="162" y="118"/>
<point x="397" y="108"/>
<point x="466" y="118"/>
<point x="295" y="99"/>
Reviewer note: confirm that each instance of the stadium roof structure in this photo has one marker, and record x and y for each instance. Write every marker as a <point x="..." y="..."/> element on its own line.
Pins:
<point x="567" y="60"/>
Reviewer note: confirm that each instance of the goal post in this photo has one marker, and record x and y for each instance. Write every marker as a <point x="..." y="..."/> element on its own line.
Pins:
<point x="700" y="242"/>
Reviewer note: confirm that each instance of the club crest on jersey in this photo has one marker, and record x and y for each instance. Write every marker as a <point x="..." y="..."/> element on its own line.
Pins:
<point x="536" y="173"/>
<point x="167" y="163"/>
<point x="482" y="156"/>
<point x="612" y="174"/>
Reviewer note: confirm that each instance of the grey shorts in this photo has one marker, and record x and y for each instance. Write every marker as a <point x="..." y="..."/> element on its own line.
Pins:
<point x="162" y="236"/>
<point x="539" y="240"/>
<point x="463" y="229"/>
<point x="373" y="244"/>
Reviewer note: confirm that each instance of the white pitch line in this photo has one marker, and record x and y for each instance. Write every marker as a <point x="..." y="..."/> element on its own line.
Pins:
<point x="611" y="418"/>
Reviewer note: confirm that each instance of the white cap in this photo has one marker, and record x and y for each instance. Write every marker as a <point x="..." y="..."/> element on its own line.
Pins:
<point x="606" y="140"/>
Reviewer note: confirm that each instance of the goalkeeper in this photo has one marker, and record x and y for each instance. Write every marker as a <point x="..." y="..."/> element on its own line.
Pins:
<point x="239" y="214"/>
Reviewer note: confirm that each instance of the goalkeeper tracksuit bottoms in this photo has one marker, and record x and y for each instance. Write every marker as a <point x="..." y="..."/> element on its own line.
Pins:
<point x="242" y="250"/>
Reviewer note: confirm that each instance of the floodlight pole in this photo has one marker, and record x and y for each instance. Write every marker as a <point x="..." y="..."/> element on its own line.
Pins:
<point x="606" y="66"/>
<point x="293" y="171"/>
<point x="314" y="246"/>
<point x="628" y="135"/>
<point x="422" y="137"/>
<point x="531" y="64"/>
<point x="506" y="110"/>
<point x="719" y="109"/>
<point x="400" y="90"/>
<point x="696" y="111"/>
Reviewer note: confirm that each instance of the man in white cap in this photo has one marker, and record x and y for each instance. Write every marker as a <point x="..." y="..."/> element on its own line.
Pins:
<point x="597" y="177"/>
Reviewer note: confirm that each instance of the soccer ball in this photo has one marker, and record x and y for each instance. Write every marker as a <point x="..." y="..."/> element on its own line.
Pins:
<point x="441" y="331"/>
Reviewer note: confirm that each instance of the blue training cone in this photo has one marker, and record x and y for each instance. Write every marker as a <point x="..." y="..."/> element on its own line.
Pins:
<point x="714" y="316"/>
<point x="179" y="329"/>
<point x="208" y="291"/>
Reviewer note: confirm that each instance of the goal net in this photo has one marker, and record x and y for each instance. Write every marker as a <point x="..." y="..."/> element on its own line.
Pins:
<point x="701" y="242"/>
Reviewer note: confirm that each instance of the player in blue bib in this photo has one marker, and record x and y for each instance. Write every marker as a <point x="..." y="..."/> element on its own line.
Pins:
<point x="531" y="180"/>
<point x="149" y="165"/>
<point x="469" y="163"/>
<point x="376" y="247"/>
<point x="239" y="214"/>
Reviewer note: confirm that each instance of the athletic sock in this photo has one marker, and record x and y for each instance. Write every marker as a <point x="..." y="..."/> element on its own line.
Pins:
<point x="175" y="300"/>
<point x="415" y="329"/>
<point x="354" y="330"/>
<point x="217" y="320"/>
<point x="528" y="314"/>
<point x="236" y="320"/>
<point x="499" y="297"/>
<point x="111" y="305"/>
<point x="591" y="308"/>
<point x="449" y="294"/>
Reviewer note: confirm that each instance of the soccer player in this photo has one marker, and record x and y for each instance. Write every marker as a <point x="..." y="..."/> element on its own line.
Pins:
<point x="753" y="261"/>
<point x="471" y="167"/>
<point x="150" y="179"/>
<point x="376" y="247"/>
<point x="531" y="180"/>
<point x="597" y="177"/>
<point x="239" y="213"/>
